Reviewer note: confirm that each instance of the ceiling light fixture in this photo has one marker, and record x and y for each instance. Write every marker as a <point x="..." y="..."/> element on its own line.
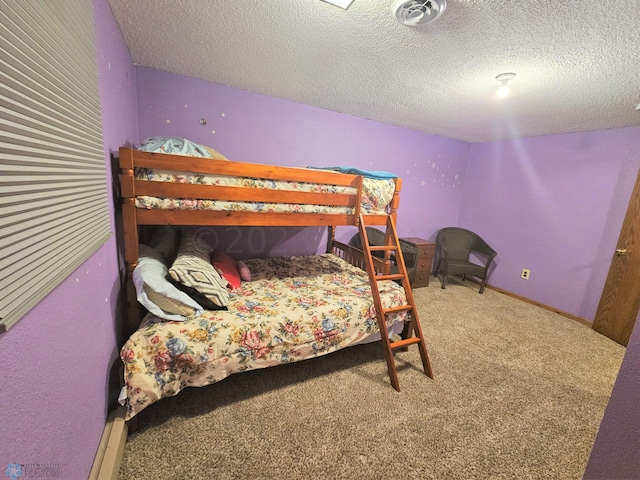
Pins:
<point x="504" y="79"/>
<point x="344" y="4"/>
<point x="417" y="12"/>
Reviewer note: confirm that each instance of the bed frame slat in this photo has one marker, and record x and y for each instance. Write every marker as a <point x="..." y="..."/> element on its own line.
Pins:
<point x="181" y="163"/>
<point x="242" y="194"/>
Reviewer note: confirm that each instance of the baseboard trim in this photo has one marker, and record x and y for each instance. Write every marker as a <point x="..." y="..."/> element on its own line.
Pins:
<point x="106" y="465"/>
<point x="542" y="305"/>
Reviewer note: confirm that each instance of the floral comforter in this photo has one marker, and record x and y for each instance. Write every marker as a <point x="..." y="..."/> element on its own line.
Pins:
<point x="376" y="194"/>
<point x="293" y="309"/>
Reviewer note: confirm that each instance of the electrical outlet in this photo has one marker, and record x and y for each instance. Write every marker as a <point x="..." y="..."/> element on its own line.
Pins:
<point x="525" y="273"/>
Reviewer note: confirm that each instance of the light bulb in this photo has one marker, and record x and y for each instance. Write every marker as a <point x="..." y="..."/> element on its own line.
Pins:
<point x="503" y="91"/>
<point x="504" y="79"/>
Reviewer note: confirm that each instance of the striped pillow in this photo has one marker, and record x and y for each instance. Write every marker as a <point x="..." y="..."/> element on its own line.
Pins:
<point x="192" y="267"/>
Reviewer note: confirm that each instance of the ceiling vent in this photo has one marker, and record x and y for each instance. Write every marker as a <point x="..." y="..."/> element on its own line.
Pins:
<point x="414" y="13"/>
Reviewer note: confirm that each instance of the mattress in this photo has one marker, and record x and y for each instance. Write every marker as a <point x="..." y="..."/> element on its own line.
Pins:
<point x="377" y="193"/>
<point x="294" y="308"/>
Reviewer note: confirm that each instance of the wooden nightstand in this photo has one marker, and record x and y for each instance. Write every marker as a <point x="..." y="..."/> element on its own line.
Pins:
<point x="426" y="250"/>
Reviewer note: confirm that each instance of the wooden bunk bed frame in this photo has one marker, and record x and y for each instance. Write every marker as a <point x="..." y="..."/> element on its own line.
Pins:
<point x="133" y="217"/>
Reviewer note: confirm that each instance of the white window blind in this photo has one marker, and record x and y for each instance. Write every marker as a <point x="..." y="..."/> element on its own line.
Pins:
<point x="54" y="210"/>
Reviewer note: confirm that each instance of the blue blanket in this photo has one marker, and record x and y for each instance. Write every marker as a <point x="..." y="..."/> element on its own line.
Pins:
<point x="357" y="171"/>
<point x="175" y="145"/>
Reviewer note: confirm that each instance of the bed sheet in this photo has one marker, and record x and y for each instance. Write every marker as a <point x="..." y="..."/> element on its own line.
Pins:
<point x="294" y="308"/>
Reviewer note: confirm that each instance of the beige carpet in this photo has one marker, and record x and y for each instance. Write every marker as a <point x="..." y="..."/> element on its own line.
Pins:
<point x="518" y="393"/>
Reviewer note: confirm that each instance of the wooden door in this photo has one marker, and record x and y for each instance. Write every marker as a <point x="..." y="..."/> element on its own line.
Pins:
<point x="620" y="301"/>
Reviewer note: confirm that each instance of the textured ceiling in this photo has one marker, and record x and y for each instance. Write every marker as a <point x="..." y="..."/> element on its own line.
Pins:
<point x="577" y="61"/>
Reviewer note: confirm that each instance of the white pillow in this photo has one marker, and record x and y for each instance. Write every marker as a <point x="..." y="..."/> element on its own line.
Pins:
<point x="151" y="273"/>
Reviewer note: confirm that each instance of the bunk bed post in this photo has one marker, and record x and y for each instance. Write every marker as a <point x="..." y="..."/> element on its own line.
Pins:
<point x="331" y="236"/>
<point x="131" y="241"/>
<point x="395" y="202"/>
<point x="131" y="260"/>
<point x="357" y="211"/>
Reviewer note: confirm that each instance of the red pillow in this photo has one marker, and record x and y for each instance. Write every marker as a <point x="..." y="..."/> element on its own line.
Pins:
<point x="227" y="268"/>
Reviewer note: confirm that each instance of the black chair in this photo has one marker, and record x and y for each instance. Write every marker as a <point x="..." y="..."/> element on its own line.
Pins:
<point x="454" y="246"/>
<point x="409" y="251"/>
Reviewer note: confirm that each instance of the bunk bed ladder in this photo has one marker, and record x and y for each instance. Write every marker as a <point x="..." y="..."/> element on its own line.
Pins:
<point x="414" y="335"/>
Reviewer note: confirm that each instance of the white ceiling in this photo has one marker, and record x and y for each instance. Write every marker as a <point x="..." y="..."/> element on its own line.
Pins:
<point x="577" y="61"/>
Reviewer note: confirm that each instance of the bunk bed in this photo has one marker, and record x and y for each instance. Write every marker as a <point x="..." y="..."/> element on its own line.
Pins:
<point x="283" y="309"/>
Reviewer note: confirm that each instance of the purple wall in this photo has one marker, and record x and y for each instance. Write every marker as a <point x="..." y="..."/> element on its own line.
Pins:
<point x="256" y="128"/>
<point x="57" y="358"/>
<point x="554" y="205"/>
<point x="551" y="204"/>
<point x="616" y="452"/>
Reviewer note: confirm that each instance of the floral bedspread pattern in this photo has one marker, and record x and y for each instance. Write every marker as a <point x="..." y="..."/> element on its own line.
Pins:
<point x="376" y="194"/>
<point x="293" y="309"/>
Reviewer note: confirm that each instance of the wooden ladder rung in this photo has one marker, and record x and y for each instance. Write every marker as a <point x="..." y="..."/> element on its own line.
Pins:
<point x="383" y="248"/>
<point x="394" y="276"/>
<point x="404" y="343"/>
<point x="399" y="308"/>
